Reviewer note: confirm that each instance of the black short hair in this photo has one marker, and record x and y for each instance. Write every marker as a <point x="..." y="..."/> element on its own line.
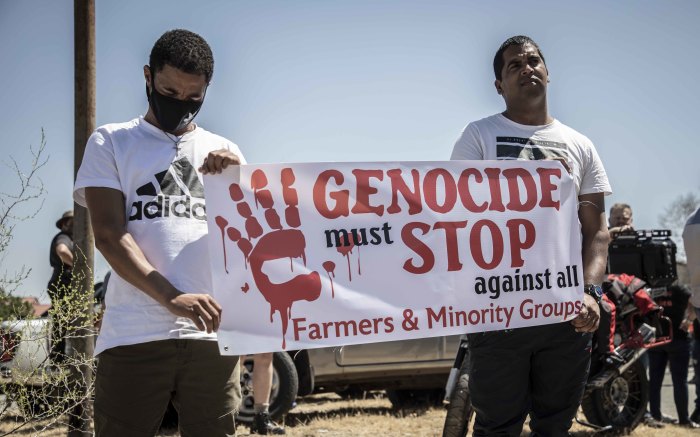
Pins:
<point x="519" y="40"/>
<point x="183" y="50"/>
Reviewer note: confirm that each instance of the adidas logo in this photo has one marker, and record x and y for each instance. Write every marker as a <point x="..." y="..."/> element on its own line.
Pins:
<point x="180" y="180"/>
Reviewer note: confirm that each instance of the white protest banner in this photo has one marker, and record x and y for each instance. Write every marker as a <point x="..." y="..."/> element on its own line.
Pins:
<point x="329" y="254"/>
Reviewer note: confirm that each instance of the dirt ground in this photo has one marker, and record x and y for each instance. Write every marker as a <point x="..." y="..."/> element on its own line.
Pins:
<point x="329" y="415"/>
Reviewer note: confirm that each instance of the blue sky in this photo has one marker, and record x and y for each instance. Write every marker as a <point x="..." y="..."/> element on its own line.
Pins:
<point x="302" y="81"/>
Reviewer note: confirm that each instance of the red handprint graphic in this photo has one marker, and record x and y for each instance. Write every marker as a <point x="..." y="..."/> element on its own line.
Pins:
<point x="344" y="249"/>
<point x="260" y="247"/>
<point x="353" y="240"/>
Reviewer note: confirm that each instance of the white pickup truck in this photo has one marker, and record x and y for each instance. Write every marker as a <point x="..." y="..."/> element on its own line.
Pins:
<point x="24" y="348"/>
<point x="24" y="352"/>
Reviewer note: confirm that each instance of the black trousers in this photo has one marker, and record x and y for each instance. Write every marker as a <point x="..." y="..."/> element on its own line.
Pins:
<point x="677" y="355"/>
<point x="539" y="370"/>
<point x="57" y="289"/>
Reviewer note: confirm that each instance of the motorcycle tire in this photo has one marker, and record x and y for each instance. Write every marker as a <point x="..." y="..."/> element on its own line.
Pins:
<point x="459" y="411"/>
<point x="621" y="402"/>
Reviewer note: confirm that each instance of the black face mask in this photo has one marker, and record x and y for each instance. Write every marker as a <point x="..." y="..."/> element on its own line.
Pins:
<point x="172" y="114"/>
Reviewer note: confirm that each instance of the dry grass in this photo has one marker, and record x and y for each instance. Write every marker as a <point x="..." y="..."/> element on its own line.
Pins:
<point x="14" y="425"/>
<point x="329" y="415"/>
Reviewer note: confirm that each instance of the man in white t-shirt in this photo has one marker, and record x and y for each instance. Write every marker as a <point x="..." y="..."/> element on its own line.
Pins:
<point x="140" y="182"/>
<point x="541" y="370"/>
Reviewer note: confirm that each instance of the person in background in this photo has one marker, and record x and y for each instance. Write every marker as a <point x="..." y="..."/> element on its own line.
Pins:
<point x="620" y="219"/>
<point x="675" y="354"/>
<point x="61" y="259"/>
<point x="262" y="384"/>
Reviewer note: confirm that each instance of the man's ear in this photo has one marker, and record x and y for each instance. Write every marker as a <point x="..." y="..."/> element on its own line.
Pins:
<point x="147" y="75"/>
<point x="497" y="84"/>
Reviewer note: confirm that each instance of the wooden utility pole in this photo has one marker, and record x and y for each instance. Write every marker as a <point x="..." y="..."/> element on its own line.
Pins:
<point x="83" y="343"/>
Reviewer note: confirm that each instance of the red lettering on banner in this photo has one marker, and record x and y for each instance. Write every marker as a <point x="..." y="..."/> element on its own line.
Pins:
<point x="480" y="230"/>
<point x="365" y="327"/>
<point x="476" y="245"/>
<point x="438" y="191"/>
<point x="548" y="187"/>
<point x="340" y="196"/>
<point x="364" y="190"/>
<point x="398" y="185"/>
<point x="515" y="203"/>
<point x="464" y="194"/>
<point x="560" y="310"/>
<point x="420" y="248"/>
<point x="450" y="229"/>
<point x="341" y="328"/>
<point x="493" y="175"/>
<point x="430" y="190"/>
<point x="516" y="244"/>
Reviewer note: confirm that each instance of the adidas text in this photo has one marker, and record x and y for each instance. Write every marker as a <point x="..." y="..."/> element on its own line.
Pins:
<point x="166" y="206"/>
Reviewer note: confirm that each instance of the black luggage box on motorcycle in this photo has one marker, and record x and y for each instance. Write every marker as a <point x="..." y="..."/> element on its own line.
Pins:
<point x="648" y="255"/>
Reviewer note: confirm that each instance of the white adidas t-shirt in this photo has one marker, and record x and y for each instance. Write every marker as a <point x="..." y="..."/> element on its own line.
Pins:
<point x="166" y="216"/>
<point x="497" y="137"/>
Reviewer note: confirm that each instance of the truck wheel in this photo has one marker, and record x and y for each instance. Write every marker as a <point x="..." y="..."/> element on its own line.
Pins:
<point x="304" y="371"/>
<point x="285" y="384"/>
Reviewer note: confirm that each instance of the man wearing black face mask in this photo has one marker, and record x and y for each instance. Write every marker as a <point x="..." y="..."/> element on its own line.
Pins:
<point x="140" y="181"/>
<point x="172" y="114"/>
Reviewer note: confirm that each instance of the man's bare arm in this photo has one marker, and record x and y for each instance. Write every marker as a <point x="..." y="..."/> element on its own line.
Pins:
<point x="596" y="238"/>
<point x="594" y="252"/>
<point x="65" y="254"/>
<point x="108" y="218"/>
